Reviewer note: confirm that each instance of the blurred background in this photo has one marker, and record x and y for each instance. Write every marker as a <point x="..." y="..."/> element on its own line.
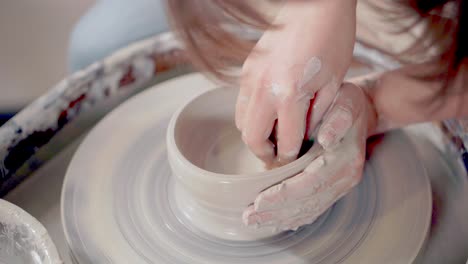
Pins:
<point x="44" y="41"/>
<point x="33" y="51"/>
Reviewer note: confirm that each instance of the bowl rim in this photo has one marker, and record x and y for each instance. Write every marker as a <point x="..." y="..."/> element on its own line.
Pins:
<point x="290" y="169"/>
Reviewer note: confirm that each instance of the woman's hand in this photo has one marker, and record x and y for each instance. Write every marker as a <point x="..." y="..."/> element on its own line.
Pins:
<point x="301" y="199"/>
<point x="305" y="58"/>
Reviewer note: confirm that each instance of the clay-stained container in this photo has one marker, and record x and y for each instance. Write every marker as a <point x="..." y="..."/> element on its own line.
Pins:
<point x="216" y="176"/>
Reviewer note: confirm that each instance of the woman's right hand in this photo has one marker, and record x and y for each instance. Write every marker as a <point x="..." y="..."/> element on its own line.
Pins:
<point x="305" y="58"/>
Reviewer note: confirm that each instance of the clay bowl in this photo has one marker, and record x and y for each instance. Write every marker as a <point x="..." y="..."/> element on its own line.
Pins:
<point x="216" y="176"/>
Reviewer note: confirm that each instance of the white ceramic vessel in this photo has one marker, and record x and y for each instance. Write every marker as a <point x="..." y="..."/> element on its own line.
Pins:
<point x="23" y="240"/>
<point x="217" y="177"/>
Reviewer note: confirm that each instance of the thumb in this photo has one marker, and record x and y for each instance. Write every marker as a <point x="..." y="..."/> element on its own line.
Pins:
<point x="341" y="116"/>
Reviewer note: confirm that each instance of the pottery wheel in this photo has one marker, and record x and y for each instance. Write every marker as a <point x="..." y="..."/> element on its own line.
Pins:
<point x="117" y="204"/>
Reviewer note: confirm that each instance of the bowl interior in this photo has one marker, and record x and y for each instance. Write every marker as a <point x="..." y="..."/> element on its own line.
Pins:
<point x="206" y="135"/>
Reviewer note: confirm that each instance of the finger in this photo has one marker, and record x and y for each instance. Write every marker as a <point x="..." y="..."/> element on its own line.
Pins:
<point x="291" y="129"/>
<point x="242" y="102"/>
<point x="285" y="218"/>
<point x="259" y="121"/>
<point x="314" y="207"/>
<point x="292" y="216"/>
<point x="321" y="177"/>
<point x="340" y="118"/>
<point x="290" y="190"/>
<point x="322" y="102"/>
<point x="241" y="107"/>
<point x="270" y="218"/>
<point x="249" y="216"/>
<point x="295" y="213"/>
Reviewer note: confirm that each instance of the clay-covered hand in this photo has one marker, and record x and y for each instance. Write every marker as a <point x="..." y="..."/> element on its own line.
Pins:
<point x="306" y="57"/>
<point x="303" y="198"/>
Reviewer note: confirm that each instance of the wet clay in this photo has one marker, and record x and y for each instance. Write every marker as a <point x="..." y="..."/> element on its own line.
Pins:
<point x="216" y="175"/>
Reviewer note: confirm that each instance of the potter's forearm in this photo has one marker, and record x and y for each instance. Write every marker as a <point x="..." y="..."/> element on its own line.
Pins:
<point x="399" y="99"/>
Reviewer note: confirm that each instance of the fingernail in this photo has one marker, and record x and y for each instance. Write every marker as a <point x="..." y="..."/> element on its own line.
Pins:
<point x="268" y="161"/>
<point x="290" y="156"/>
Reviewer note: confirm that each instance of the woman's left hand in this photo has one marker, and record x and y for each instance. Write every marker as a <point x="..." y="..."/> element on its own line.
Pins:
<point x="303" y="198"/>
